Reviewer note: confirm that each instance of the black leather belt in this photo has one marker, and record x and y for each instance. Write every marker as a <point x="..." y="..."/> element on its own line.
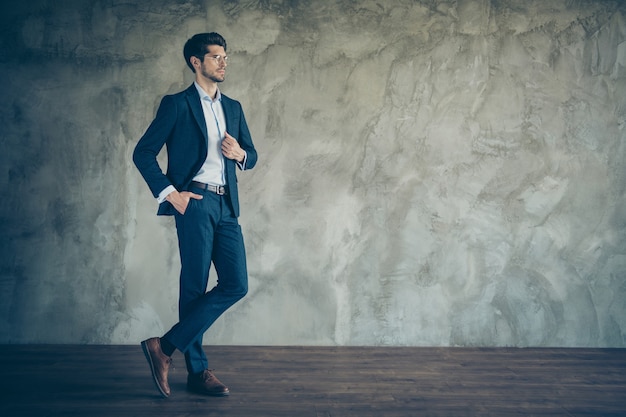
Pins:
<point x="217" y="189"/>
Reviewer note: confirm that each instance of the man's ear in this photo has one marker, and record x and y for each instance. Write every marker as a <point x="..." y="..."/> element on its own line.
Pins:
<point x="195" y="61"/>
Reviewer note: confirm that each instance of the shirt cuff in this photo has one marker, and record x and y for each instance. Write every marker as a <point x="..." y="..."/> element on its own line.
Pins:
<point x="242" y="164"/>
<point x="167" y="191"/>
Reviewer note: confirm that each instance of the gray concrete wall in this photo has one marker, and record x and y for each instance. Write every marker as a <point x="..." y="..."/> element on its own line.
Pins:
<point x="446" y="173"/>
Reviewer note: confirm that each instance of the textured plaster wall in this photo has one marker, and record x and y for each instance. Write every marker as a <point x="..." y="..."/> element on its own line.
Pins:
<point x="430" y="172"/>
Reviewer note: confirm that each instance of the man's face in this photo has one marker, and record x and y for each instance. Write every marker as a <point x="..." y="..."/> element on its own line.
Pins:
<point x="213" y="66"/>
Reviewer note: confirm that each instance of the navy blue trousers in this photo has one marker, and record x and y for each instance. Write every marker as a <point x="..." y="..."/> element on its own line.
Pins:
<point x="207" y="232"/>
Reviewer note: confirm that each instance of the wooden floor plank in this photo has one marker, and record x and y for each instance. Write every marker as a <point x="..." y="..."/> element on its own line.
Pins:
<point x="319" y="381"/>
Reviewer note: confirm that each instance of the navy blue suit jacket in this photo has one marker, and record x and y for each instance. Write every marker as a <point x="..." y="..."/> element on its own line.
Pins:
<point x="179" y="125"/>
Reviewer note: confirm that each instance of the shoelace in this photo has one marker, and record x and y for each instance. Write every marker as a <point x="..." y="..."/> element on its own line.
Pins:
<point x="208" y="375"/>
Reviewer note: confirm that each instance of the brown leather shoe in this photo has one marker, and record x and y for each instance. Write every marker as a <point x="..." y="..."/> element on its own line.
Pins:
<point x="207" y="384"/>
<point x="159" y="364"/>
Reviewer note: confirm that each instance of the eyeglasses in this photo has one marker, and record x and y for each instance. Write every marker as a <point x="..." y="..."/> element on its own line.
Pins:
<point x="218" y="58"/>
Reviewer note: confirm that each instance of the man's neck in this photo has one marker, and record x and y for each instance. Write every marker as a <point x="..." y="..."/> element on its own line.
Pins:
<point x="208" y="86"/>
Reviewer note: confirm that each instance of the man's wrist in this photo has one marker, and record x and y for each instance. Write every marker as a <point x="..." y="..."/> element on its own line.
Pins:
<point x="165" y="193"/>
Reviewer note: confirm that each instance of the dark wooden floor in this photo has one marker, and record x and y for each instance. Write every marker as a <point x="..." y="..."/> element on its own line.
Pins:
<point x="90" y="381"/>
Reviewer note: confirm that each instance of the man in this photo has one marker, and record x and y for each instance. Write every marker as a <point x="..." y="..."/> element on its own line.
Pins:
<point x="207" y="138"/>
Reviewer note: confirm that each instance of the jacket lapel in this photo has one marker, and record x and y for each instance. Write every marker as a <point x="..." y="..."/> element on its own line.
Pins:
<point x="228" y="114"/>
<point x="193" y="98"/>
<point x="227" y="111"/>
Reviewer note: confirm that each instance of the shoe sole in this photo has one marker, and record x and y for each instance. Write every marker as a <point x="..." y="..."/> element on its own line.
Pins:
<point x="211" y="394"/>
<point x="146" y="352"/>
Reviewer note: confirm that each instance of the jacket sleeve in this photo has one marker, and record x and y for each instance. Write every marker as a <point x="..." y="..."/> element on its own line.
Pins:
<point x="151" y="143"/>
<point x="245" y="141"/>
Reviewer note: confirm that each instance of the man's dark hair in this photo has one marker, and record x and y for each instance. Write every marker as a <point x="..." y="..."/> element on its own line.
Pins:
<point x="198" y="45"/>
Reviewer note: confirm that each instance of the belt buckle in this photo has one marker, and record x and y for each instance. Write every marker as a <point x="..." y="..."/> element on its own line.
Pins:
<point x="219" y="190"/>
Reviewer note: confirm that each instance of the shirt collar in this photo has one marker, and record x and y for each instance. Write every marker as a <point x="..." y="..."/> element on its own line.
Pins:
<point x="205" y="96"/>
